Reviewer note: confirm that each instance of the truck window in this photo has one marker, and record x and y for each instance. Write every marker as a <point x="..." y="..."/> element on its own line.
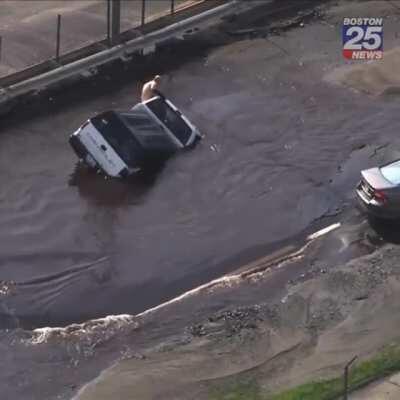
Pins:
<point x="172" y="120"/>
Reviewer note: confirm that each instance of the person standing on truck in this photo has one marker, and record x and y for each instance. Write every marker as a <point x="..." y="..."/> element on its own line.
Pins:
<point x="151" y="88"/>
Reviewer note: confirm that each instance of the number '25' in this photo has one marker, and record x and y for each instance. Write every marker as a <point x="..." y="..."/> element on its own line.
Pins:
<point x="372" y="38"/>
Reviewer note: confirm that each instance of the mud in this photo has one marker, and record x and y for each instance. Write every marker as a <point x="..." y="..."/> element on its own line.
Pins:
<point x="377" y="79"/>
<point x="310" y="332"/>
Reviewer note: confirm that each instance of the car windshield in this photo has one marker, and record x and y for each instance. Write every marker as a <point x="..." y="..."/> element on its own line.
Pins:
<point x="391" y="172"/>
<point x="171" y="119"/>
<point x="146" y="129"/>
<point x="119" y="137"/>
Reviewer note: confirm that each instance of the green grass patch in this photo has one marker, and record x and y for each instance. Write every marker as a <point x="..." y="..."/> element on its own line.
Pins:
<point x="248" y="390"/>
<point x="383" y="364"/>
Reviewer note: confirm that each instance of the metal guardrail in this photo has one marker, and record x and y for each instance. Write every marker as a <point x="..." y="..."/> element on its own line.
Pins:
<point x="112" y="36"/>
<point x="89" y="64"/>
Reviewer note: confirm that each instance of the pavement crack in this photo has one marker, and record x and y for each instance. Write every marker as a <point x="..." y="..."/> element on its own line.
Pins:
<point x="394" y="383"/>
<point x="375" y="152"/>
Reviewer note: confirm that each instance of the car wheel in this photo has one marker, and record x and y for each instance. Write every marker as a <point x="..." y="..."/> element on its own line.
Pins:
<point x="90" y="161"/>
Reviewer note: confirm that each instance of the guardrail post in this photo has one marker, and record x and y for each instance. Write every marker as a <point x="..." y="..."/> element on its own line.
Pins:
<point x="346" y="378"/>
<point x="58" y="37"/>
<point x="143" y="12"/>
<point x="108" y="22"/>
<point x="115" y="21"/>
<point x="172" y="6"/>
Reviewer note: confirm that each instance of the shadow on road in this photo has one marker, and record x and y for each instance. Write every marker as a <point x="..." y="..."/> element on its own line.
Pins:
<point x="387" y="230"/>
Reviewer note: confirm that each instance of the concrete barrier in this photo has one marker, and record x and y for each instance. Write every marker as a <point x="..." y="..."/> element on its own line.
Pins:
<point x="88" y="66"/>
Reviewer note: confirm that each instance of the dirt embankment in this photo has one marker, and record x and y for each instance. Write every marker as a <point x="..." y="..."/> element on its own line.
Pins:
<point x="310" y="334"/>
<point x="377" y="78"/>
<point x="373" y="77"/>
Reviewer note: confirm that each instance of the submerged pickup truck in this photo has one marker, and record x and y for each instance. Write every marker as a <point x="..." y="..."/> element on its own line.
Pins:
<point x="123" y="143"/>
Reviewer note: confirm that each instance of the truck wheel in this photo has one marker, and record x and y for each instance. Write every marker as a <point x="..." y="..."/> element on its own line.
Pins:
<point x="90" y="161"/>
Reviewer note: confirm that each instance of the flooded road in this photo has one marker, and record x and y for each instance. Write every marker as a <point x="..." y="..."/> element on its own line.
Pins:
<point x="75" y="246"/>
<point x="283" y="151"/>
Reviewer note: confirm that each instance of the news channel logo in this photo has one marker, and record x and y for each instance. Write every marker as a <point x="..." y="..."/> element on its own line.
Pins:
<point x="363" y="38"/>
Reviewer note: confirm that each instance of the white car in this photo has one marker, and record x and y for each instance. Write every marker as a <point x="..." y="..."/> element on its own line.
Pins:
<point x="123" y="143"/>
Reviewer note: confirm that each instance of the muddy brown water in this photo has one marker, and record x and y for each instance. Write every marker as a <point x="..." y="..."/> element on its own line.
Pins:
<point x="277" y="157"/>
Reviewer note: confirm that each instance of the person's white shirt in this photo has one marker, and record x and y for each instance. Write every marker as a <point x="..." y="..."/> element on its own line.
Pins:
<point x="150" y="87"/>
